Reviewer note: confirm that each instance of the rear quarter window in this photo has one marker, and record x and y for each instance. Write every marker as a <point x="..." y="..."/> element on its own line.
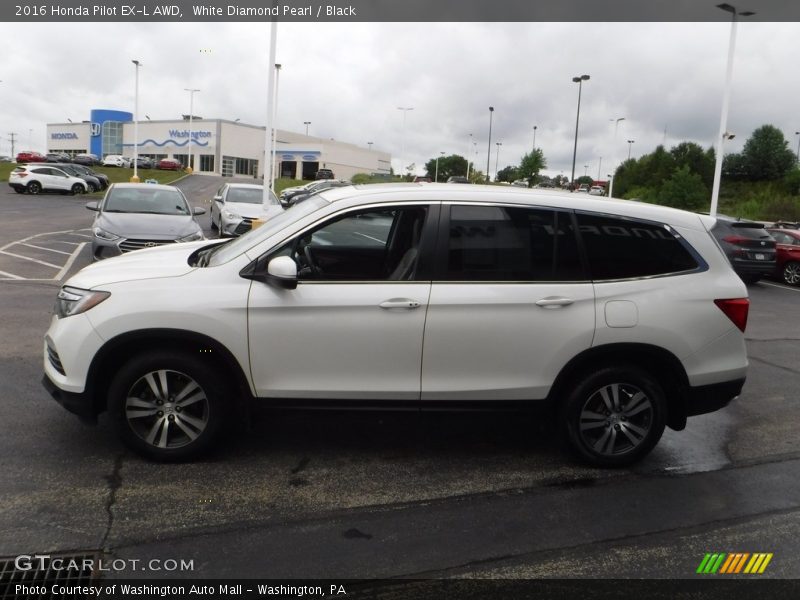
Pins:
<point x="620" y="248"/>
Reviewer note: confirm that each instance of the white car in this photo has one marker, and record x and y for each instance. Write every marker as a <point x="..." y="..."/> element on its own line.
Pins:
<point x="116" y="160"/>
<point x="236" y="205"/>
<point x="622" y="317"/>
<point x="597" y="190"/>
<point x="39" y="177"/>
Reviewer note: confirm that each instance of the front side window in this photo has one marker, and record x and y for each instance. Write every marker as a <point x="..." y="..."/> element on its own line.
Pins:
<point x="369" y="245"/>
<point x="500" y="243"/>
<point x="620" y="248"/>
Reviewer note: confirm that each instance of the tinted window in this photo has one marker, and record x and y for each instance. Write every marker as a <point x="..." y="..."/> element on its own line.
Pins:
<point x="624" y="248"/>
<point x="498" y="243"/>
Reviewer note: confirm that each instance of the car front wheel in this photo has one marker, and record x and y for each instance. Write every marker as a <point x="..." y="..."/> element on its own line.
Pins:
<point x="614" y="416"/>
<point x="791" y="273"/>
<point x="77" y="189"/>
<point x="34" y="187"/>
<point x="168" y="406"/>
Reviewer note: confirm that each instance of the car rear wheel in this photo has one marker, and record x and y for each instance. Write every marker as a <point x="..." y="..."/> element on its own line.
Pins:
<point x="92" y="187"/>
<point x="168" y="406"/>
<point x="750" y="279"/>
<point x="34" y="187"/>
<point x="791" y="273"/>
<point x="77" y="189"/>
<point x="214" y="226"/>
<point x="614" y="416"/>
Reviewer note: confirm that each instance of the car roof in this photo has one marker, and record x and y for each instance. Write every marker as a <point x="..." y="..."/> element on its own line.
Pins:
<point x="149" y="186"/>
<point x="442" y="192"/>
<point x="255" y="186"/>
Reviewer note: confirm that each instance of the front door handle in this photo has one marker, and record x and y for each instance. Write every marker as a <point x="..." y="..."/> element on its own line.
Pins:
<point x="399" y="303"/>
<point x="554" y="302"/>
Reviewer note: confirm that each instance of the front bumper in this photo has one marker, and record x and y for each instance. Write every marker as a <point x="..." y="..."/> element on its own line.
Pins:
<point x="79" y="404"/>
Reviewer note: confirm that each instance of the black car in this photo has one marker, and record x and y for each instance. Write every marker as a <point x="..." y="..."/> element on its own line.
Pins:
<point x="457" y="179"/>
<point x="84" y="170"/>
<point x="324" y="174"/>
<point x="57" y="157"/>
<point x="749" y="247"/>
<point x="144" y="163"/>
<point x="93" y="181"/>
<point x="299" y="196"/>
<point x="86" y="159"/>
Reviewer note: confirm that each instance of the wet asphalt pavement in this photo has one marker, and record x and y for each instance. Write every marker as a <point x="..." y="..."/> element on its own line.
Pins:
<point x="380" y="494"/>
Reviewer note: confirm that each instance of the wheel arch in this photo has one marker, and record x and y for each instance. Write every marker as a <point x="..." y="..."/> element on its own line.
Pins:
<point x="116" y="350"/>
<point x="660" y="363"/>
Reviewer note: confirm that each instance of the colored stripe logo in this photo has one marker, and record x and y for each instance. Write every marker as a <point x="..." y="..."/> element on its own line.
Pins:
<point x="734" y="563"/>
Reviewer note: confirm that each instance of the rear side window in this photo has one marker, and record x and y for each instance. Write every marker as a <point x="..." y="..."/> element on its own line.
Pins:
<point x="620" y="248"/>
<point x="501" y="243"/>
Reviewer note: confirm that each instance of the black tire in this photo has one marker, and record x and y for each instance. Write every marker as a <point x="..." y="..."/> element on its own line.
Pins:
<point x="164" y="426"/>
<point x="791" y="273"/>
<point x="608" y="429"/>
<point x="34" y="187"/>
<point x="92" y="187"/>
<point x="750" y="279"/>
<point x="77" y="188"/>
<point x="214" y="226"/>
<point x="19" y="190"/>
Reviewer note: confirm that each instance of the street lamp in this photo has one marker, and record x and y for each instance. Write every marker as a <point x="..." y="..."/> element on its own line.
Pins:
<point x="534" y="137"/>
<point x="579" y="80"/>
<point x="274" y="125"/>
<point x="405" y="110"/>
<point x="269" y="126"/>
<point x="135" y="178"/>
<point x="630" y="142"/>
<point x="469" y="147"/>
<point x="191" y="117"/>
<point x="306" y="123"/>
<point x="497" y="159"/>
<point x="723" y="119"/>
<point x="436" y="177"/>
<point x="797" y="133"/>
<point x="614" y="157"/>
<point x="585" y="170"/>
<point x="489" y="148"/>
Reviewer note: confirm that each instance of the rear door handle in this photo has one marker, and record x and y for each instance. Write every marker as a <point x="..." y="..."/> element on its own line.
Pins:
<point x="554" y="302"/>
<point x="399" y="303"/>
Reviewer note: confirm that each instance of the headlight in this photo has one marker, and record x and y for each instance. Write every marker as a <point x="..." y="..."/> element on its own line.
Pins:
<point x="192" y="237"/>
<point x="104" y="235"/>
<point x="231" y="215"/>
<point x="74" y="301"/>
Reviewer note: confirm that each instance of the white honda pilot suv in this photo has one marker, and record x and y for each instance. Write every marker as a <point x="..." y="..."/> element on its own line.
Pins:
<point x="622" y="317"/>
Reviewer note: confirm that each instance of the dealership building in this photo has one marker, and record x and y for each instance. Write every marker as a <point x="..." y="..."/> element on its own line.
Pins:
<point x="218" y="146"/>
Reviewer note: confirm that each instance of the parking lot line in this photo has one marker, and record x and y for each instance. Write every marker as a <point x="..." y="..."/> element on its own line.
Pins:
<point x="48" y="249"/>
<point x="41" y="262"/>
<point x="776" y="285"/>
<point x="69" y="262"/>
<point x="10" y="275"/>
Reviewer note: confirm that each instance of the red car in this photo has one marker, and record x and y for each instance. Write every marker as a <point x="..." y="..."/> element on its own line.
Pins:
<point x="28" y="156"/>
<point x="169" y="164"/>
<point x="787" y="256"/>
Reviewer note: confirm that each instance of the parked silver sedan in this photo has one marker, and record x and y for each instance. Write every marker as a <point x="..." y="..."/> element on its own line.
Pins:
<point x="133" y="216"/>
<point x="236" y="205"/>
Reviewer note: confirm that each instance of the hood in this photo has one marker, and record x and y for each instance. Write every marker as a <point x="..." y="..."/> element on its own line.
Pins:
<point x="149" y="227"/>
<point x="162" y="261"/>
<point x="252" y="211"/>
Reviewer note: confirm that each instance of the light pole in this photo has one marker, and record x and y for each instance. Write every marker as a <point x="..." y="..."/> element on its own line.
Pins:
<point x="306" y="123"/>
<point x="579" y="80"/>
<point x="534" y="137"/>
<point x="585" y="170"/>
<point x="630" y="143"/>
<point x="405" y="110"/>
<point x="191" y="117"/>
<point x="135" y="178"/>
<point x="614" y="158"/>
<point x="723" y="119"/>
<point x="270" y="125"/>
<point x="436" y="177"/>
<point x="469" y="148"/>
<point x="797" y="133"/>
<point x="497" y="159"/>
<point x="489" y="147"/>
<point x="274" y="125"/>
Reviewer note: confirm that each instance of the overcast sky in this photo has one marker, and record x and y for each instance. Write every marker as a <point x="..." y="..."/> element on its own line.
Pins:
<point x="349" y="79"/>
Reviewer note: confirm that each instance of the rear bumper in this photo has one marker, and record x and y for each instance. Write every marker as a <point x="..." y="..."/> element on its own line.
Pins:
<point x="708" y="398"/>
<point x="77" y="403"/>
<point x="753" y="267"/>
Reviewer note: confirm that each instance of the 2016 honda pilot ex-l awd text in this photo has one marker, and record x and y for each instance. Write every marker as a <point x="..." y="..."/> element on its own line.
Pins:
<point x="623" y="317"/>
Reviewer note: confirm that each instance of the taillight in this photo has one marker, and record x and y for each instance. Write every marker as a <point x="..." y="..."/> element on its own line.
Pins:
<point x="736" y="310"/>
<point x="735" y="239"/>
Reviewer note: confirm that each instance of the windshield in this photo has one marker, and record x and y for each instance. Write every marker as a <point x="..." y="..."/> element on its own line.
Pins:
<point x="144" y="199"/>
<point x="249" y="195"/>
<point x="225" y="252"/>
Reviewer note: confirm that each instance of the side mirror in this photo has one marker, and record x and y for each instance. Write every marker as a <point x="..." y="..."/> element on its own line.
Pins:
<point x="282" y="271"/>
<point x="217" y="198"/>
<point x="197" y="210"/>
<point x="93" y="205"/>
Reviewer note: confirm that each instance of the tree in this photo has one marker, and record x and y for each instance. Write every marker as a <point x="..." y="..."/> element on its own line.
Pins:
<point x="448" y="166"/>
<point x="766" y="155"/>
<point x="531" y="164"/>
<point x="683" y="189"/>
<point x="508" y="174"/>
<point x="698" y="160"/>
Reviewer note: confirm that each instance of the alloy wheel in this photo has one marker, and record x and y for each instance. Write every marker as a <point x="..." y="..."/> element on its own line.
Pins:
<point x="791" y="273"/>
<point x="616" y="419"/>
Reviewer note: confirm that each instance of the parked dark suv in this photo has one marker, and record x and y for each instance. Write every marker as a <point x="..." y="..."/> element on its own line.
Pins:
<point x="324" y="174"/>
<point x="749" y="247"/>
